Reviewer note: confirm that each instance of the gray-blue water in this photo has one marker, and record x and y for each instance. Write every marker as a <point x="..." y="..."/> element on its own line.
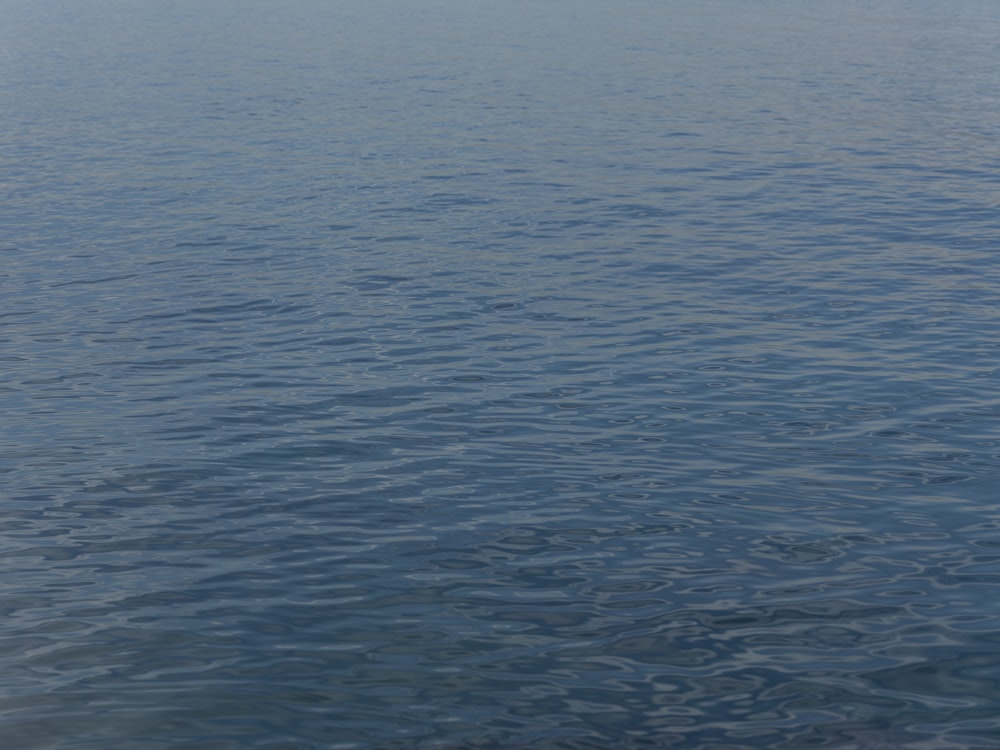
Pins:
<point x="561" y="374"/>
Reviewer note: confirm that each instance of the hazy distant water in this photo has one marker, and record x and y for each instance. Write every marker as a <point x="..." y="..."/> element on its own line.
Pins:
<point x="557" y="373"/>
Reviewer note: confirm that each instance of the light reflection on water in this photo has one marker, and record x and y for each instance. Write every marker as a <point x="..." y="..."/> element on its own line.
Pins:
<point x="533" y="375"/>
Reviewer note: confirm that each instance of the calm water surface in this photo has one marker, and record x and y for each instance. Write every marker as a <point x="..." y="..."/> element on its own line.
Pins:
<point x="554" y="373"/>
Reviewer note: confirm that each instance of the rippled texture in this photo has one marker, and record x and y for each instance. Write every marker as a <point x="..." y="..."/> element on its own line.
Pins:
<point x="550" y="374"/>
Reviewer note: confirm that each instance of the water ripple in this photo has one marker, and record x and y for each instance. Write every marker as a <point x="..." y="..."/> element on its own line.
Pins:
<point x="483" y="378"/>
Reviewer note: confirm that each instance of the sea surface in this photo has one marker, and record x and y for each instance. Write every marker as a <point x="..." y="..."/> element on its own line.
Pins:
<point x="550" y="374"/>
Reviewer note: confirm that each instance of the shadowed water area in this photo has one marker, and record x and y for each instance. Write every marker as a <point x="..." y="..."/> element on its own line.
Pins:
<point x="446" y="375"/>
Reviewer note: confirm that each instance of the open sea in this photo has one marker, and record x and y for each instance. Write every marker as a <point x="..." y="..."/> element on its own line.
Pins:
<point x="467" y="375"/>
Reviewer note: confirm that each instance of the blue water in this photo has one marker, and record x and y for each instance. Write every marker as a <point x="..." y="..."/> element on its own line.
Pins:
<point x="560" y="374"/>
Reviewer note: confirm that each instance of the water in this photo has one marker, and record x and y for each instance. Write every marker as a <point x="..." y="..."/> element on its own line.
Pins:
<point x="571" y="375"/>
